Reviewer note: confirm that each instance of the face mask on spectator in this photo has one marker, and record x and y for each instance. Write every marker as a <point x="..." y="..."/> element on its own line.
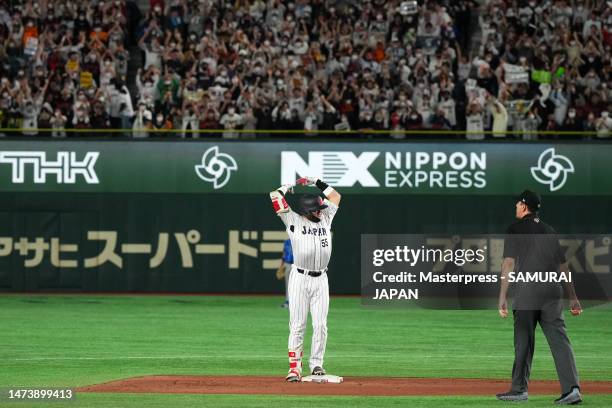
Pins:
<point x="231" y="111"/>
<point x="571" y="114"/>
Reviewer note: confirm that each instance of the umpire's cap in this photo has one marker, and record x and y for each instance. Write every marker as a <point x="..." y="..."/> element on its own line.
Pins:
<point x="531" y="199"/>
<point x="311" y="203"/>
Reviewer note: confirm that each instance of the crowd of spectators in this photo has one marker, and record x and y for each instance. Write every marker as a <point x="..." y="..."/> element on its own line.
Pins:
<point x="303" y="65"/>
<point x="306" y="65"/>
<point x="64" y="64"/>
<point x="543" y="66"/>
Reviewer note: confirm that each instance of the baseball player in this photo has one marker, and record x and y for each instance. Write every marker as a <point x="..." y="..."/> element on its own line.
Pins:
<point x="537" y="303"/>
<point x="308" y="290"/>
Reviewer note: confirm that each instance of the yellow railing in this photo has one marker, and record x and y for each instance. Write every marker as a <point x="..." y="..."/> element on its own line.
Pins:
<point x="425" y="132"/>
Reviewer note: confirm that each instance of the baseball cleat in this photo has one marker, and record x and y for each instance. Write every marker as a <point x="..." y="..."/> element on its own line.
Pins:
<point x="513" y="396"/>
<point x="293" y="376"/>
<point x="571" y="398"/>
<point x="318" y="371"/>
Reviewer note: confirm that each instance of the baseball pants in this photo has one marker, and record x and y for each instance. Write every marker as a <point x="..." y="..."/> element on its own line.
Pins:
<point x="308" y="294"/>
<point x="550" y="317"/>
<point x="288" y="268"/>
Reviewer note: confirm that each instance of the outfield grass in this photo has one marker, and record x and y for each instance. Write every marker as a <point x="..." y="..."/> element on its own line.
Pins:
<point x="70" y="341"/>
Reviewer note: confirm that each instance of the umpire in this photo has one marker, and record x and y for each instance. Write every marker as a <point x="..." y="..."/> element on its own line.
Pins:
<point x="532" y="246"/>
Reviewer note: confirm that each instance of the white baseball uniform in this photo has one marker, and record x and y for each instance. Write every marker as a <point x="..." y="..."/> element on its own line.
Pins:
<point x="312" y="247"/>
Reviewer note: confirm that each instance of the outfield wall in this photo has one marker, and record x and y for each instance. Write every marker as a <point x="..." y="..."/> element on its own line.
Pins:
<point x="194" y="216"/>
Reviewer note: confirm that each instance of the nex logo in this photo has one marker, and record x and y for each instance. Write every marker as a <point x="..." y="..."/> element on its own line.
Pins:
<point x="65" y="168"/>
<point x="340" y="169"/>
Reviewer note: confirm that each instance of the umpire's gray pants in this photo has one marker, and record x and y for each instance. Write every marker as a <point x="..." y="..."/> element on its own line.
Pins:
<point x="550" y="317"/>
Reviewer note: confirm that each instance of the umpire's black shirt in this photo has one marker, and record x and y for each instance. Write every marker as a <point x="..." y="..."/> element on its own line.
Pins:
<point x="535" y="248"/>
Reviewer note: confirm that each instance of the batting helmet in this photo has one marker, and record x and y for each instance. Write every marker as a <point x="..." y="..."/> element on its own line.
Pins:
<point x="311" y="203"/>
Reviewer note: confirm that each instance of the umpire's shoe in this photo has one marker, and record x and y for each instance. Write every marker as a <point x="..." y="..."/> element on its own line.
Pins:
<point x="571" y="398"/>
<point x="318" y="371"/>
<point x="293" y="376"/>
<point x="513" y="396"/>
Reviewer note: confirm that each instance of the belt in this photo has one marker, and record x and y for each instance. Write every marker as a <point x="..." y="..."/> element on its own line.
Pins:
<point x="314" y="274"/>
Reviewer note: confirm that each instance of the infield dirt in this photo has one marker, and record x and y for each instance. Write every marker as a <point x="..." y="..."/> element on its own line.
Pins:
<point x="357" y="386"/>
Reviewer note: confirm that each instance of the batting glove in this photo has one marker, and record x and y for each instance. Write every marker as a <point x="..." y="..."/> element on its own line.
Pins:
<point x="286" y="188"/>
<point x="307" y="181"/>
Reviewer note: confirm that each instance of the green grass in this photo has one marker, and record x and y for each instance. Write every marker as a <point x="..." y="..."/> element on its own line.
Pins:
<point x="68" y="341"/>
<point x="266" y="401"/>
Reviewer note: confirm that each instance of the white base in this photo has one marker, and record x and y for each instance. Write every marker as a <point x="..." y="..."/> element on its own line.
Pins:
<point x="327" y="378"/>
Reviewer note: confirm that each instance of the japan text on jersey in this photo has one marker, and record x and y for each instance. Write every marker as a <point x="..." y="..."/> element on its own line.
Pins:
<point x="311" y="241"/>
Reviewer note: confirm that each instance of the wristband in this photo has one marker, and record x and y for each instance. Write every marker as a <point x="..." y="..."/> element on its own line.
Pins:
<point x="321" y="185"/>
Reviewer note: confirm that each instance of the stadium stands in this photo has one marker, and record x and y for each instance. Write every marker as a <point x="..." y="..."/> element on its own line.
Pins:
<point x="306" y="65"/>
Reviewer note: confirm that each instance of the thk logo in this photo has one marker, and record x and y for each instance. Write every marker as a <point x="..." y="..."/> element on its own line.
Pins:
<point x="340" y="169"/>
<point x="552" y="169"/>
<point x="216" y="167"/>
<point x="65" y="169"/>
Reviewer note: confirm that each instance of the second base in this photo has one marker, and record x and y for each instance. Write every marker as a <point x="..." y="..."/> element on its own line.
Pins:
<point x="327" y="378"/>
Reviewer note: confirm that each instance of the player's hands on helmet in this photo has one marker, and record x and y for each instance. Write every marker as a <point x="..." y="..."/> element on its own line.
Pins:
<point x="286" y="188"/>
<point x="575" y="307"/>
<point x="502" y="307"/>
<point x="306" y="181"/>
